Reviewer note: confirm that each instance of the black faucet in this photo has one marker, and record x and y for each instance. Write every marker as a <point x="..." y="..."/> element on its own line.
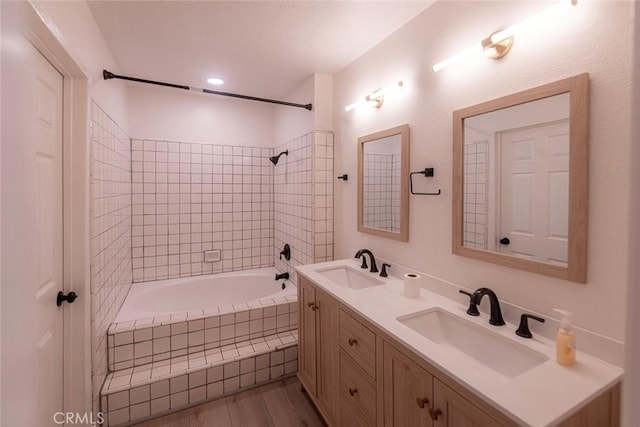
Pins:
<point x="496" y="314"/>
<point x="286" y="252"/>
<point x="284" y="276"/>
<point x="360" y="254"/>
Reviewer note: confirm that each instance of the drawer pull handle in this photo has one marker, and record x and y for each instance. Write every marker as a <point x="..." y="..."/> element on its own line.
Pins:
<point x="353" y="341"/>
<point x="421" y="401"/>
<point x="312" y="306"/>
<point x="353" y="391"/>
<point x="434" y="413"/>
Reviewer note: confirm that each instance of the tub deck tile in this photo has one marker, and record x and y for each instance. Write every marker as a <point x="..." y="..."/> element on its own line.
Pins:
<point x="211" y="311"/>
<point x="203" y="314"/>
<point x="143" y="322"/>
<point x="123" y="380"/>
<point x="195" y="314"/>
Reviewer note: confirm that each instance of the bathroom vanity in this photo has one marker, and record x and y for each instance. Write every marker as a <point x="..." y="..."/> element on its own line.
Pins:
<point x="369" y="356"/>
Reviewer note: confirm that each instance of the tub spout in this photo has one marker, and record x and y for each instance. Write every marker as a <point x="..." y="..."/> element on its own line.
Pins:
<point x="281" y="276"/>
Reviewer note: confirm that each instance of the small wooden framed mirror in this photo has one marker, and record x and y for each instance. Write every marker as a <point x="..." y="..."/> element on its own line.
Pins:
<point x="520" y="173"/>
<point x="383" y="188"/>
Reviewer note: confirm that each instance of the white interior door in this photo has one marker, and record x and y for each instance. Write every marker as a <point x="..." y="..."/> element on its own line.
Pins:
<point x="534" y="192"/>
<point x="32" y="249"/>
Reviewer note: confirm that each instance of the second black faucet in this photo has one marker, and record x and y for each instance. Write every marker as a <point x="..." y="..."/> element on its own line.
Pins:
<point x="360" y="254"/>
<point x="474" y="300"/>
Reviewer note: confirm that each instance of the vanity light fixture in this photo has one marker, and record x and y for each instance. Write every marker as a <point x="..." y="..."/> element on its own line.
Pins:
<point x="215" y="81"/>
<point x="375" y="98"/>
<point x="499" y="43"/>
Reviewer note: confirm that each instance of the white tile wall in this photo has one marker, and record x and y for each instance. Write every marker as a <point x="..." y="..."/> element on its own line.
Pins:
<point x="189" y="198"/>
<point x="154" y="389"/>
<point x="162" y="341"/>
<point x="111" y="274"/>
<point x="303" y="201"/>
<point x="323" y="179"/>
<point x="476" y="176"/>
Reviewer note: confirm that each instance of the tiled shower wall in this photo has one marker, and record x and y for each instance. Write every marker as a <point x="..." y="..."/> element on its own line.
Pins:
<point x="322" y="192"/>
<point x="189" y="198"/>
<point x="476" y="175"/>
<point x="110" y="233"/>
<point x="303" y="201"/>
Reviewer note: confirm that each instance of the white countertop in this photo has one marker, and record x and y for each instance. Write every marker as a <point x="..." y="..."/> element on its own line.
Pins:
<point x="542" y="396"/>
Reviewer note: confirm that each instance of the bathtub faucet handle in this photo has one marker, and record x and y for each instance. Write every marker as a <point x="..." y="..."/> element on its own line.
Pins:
<point x="282" y="276"/>
<point x="286" y="252"/>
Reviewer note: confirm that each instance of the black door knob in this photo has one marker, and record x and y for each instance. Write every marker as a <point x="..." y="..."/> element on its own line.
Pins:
<point x="505" y="241"/>
<point x="70" y="297"/>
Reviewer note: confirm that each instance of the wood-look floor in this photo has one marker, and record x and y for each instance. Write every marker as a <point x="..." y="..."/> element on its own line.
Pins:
<point x="279" y="404"/>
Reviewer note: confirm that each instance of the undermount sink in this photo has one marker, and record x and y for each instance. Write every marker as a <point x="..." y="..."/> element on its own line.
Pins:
<point x="486" y="348"/>
<point x="349" y="277"/>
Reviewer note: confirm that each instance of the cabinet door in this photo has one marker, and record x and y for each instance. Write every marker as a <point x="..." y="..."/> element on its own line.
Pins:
<point x="456" y="411"/>
<point x="327" y="354"/>
<point x="407" y="391"/>
<point x="307" y="337"/>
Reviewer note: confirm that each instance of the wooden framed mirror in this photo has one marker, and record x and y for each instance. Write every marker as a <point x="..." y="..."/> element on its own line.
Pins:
<point x="383" y="188"/>
<point x="520" y="174"/>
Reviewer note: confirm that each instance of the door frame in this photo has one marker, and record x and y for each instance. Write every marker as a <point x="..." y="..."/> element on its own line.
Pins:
<point x="40" y="30"/>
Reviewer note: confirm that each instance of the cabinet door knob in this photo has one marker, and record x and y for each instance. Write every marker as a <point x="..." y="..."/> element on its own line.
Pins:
<point x="312" y="306"/>
<point x="353" y="341"/>
<point x="421" y="401"/>
<point x="434" y="413"/>
<point x="353" y="391"/>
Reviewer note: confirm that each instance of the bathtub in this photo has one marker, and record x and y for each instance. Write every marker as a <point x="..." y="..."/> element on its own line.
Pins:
<point x="169" y="297"/>
<point x="169" y="332"/>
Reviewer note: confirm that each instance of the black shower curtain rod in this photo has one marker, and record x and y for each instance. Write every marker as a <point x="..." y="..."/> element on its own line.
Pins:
<point x="107" y="75"/>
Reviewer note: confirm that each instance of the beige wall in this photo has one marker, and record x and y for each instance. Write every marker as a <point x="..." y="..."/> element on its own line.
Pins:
<point x="168" y="114"/>
<point x="595" y="37"/>
<point x="291" y="123"/>
<point x="631" y="386"/>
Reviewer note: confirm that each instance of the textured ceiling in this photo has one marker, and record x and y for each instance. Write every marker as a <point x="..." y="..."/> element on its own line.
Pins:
<point x="260" y="48"/>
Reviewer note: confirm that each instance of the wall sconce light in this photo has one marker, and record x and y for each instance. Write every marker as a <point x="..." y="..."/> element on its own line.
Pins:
<point x="375" y="98"/>
<point x="499" y="43"/>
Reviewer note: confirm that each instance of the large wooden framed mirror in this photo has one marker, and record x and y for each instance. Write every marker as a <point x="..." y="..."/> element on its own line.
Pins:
<point x="520" y="174"/>
<point x="383" y="188"/>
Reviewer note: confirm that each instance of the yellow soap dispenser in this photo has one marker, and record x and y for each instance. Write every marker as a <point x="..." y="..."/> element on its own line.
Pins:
<point x="565" y="340"/>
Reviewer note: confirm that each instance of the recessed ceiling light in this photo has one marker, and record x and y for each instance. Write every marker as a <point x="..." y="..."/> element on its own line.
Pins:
<point x="215" y="81"/>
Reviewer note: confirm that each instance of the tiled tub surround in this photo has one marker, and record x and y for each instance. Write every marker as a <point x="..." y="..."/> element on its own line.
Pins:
<point x="152" y="340"/>
<point x="135" y="394"/>
<point x="110" y="169"/>
<point x="188" y="198"/>
<point x="303" y="200"/>
<point x="164" y="364"/>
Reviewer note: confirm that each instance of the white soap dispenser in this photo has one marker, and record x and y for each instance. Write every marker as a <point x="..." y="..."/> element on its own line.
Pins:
<point x="565" y="340"/>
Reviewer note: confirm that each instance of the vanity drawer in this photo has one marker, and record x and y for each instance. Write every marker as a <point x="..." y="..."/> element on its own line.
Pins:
<point x="359" y="342"/>
<point x="357" y="394"/>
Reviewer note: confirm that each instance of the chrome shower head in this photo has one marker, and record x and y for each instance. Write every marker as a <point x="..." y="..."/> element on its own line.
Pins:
<point x="274" y="159"/>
